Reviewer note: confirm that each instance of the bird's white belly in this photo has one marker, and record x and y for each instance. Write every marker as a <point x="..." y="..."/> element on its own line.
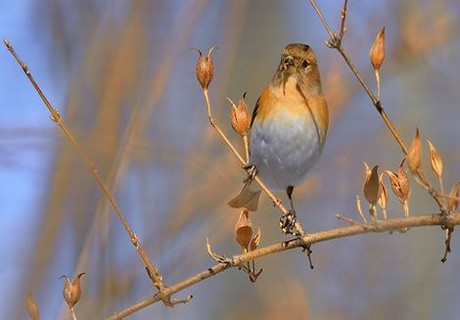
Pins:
<point x="284" y="148"/>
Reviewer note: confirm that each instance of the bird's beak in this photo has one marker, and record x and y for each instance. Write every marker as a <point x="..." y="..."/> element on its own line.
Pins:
<point x="288" y="61"/>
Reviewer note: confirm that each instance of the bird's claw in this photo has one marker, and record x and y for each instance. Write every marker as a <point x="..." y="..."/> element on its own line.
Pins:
<point x="287" y="223"/>
<point x="251" y="170"/>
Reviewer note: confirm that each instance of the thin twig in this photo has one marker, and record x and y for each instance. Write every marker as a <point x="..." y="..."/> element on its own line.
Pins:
<point x="441" y="187"/>
<point x="335" y="42"/>
<point x="346" y="219"/>
<point x="246" y="147"/>
<point x="56" y="117"/>
<point x="377" y="80"/>
<point x="447" y="196"/>
<point x="394" y="224"/>
<point x="360" y="210"/>
<point x="217" y="257"/>
<point x="72" y="313"/>
<point x="342" y="20"/>
<point x="449" y="232"/>
<point x="323" y="20"/>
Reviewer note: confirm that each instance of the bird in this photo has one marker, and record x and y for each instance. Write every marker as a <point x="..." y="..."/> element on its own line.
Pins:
<point x="288" y="127"/>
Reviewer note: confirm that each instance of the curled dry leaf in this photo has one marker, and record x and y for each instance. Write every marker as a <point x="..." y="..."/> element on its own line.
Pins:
<point x="240" y="117"/>
<point x="372" y="188"/>
<point x="72" y="290"/>
<point x="435" y="159"/>
<point x="451" y="203"/>
<point x="377" y="52"/>
<point x="205" y="68"/>
<point x="414" y="154"/>
<point x="256" y="240"/>
<point x="32" y="308"/>
<point x="243" y="229"/>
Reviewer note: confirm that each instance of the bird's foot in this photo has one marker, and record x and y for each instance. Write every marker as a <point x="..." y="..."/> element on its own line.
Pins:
<point x="251" y="170"/>
<point x="287" y="223"/>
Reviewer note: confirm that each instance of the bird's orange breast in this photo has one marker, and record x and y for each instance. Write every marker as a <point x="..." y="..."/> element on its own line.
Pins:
<point x="292" y="102"/>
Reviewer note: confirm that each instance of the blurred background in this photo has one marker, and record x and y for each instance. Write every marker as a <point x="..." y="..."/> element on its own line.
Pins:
<point x="122" y="74"/>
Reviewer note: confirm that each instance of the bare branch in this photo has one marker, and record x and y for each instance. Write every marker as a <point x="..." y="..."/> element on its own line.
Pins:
<point x="56" y="117"/>
<point x="380" y="226"/>
<point x="335" y="42"/>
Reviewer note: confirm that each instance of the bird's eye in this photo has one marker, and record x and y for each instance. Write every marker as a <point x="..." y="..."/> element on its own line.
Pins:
<point x="305" y="64"/>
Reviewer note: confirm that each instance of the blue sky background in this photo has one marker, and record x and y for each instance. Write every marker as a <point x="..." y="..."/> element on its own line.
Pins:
<point x="97" y="63"/>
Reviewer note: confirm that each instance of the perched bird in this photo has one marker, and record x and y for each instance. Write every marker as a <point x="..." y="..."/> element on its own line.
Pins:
<point x="288" y="127"/>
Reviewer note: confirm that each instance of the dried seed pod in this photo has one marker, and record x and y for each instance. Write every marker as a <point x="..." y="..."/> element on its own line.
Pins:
<point x="240" y="117"/>
<point x="32" y="308"/>
<point x="367" y="171"/>
<point x="383" y="200"/>
<point x="414" y="154"/>
<point x="403" y="181"/>
<point x="205" y="68"/>
<point x="72" y="290"/>
<point x="399" y="183"/>
<point x="256" y="240"/>
<point x="372" y="188"/>
<point x="435" y="159"/>
<point x="377" y="52"/>
<point x="394" y="183"/>
<point x="452" y="204"/>
<point x="243" y="230"/>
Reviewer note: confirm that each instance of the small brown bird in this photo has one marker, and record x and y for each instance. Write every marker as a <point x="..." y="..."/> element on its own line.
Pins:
<point x="289" y="126"/>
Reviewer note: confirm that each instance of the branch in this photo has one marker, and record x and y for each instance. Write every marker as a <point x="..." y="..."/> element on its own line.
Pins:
<point x="335" y="42"/>
<point x="56" y="117"/>
<point x="380" y="226"/>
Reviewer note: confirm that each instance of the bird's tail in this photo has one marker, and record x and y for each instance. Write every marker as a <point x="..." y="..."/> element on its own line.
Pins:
<point x="248" y="197"/>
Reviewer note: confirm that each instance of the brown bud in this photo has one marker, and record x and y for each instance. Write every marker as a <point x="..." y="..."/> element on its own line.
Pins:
<point x="372" y="188"/>
<point x="377" y="52"/>
<point x="414" y="154"/>
<point x="243" y="230"/>
<point x="72" y="290"/>
<point x="32" y="308"/>
<point x="452" y="203"/>
<point x="204" y="68"/>
<point x="256" y="240"/>
<point x="239" y="116"/>
<point x="435" y="159"/>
